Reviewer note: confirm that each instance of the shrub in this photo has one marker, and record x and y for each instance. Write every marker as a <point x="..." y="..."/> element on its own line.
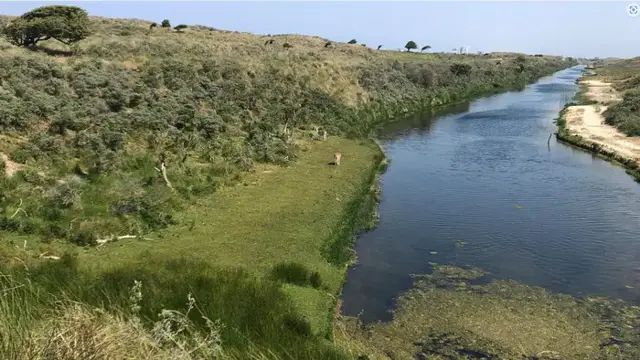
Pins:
<point x="180" y="27"/>
<point x="625" y="115"/>
<point x="66" y="195"/>
<point x="297" y="274"/>
<point x="67" y="24"/>
<point x="315" y="280"/>
<point x="84" y="238"/>
<point x="352" y="41"/>
<point x="166" y="23"/>
<point x="460" y="69"/>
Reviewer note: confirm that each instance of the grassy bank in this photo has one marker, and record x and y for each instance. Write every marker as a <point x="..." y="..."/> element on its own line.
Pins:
<point x="195" y="162"/>
<point x="266" y="257"/>
<point x="210" y="104"/>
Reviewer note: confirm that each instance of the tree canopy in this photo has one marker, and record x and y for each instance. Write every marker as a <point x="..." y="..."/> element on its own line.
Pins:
<point x="67" y="24"/>
<point x="411" y="45"/>
<point x="352" y="41"/>
<point x="426" y="47"/>
<point x="166" y="23"/>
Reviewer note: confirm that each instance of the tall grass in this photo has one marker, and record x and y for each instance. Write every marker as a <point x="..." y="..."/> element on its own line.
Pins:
<point x="184" y="305"/>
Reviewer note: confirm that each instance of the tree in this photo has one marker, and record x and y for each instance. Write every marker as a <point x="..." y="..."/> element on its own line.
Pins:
<point x="426" y="47"/>
<point x="153" y="25"/>
<point x="180" y="27"/>
<point x="166" y="23"/>
<point x="379" y="47"/>
<point x="411" y="45"/>
<point x="352" y="41"/>
<point x="67" y="24"/>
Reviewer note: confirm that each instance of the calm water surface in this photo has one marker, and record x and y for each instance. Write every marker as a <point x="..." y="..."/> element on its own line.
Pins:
<point x="483" y="173"/>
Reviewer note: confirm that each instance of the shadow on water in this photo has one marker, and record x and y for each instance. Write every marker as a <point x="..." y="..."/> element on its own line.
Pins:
<point x="421" y="122"/>
<point x="481" y="185"/>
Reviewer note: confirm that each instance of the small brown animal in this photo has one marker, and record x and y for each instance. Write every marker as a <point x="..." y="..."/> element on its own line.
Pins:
<point x="337" y="157"/>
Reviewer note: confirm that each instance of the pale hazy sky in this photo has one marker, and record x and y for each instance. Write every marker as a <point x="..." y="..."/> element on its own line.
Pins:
<point x="570" y="28"/>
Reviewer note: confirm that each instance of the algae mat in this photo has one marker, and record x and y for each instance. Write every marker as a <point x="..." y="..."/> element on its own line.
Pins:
<point x="452" y="315"/>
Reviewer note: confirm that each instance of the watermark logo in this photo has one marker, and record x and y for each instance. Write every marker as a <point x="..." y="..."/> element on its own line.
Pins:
<point x="633" y="10"/>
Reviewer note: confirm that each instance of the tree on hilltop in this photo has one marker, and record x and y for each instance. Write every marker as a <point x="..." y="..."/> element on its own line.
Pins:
<point x="352" y="41"/>
<point x="166" y="23"/>
<point x="411" y="45"/>
<point x="66" y="24"/>
<point x="426" y="47"/>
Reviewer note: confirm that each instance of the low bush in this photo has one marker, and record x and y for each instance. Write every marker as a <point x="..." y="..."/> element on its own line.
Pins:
<point x="297" y="274"/>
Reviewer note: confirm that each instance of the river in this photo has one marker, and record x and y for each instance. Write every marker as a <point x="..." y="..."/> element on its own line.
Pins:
<point x="478" y="184"/>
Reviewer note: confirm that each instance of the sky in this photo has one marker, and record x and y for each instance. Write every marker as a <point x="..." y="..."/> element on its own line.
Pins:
<point x="568" y="28"/>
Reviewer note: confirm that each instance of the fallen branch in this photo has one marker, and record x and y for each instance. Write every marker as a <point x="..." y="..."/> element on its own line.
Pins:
<point x="101" y="242"/>
<point x="163" y="171"/>
<point x="50" y="257"/>
<point x="19" y="209"/>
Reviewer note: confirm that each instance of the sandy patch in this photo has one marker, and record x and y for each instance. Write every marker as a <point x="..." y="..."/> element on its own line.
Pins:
<point x="10" y="167"/>
<point x="601" y="91"/>
<point x="588" y="122"/>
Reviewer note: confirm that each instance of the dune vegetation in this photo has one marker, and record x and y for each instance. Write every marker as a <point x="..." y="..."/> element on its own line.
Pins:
<point x="168" y="189"/>
<point x="625" y="78"/>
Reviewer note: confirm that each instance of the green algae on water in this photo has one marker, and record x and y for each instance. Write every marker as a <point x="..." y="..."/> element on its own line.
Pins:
<point x="449" y="316"/>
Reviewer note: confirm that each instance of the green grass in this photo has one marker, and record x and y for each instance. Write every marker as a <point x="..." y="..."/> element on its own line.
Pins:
<point x="274" y="216"/>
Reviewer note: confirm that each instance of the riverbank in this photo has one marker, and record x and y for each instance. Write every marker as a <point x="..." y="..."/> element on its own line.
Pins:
<point x="203" y="172"/>
<point x="584" y="126"/>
